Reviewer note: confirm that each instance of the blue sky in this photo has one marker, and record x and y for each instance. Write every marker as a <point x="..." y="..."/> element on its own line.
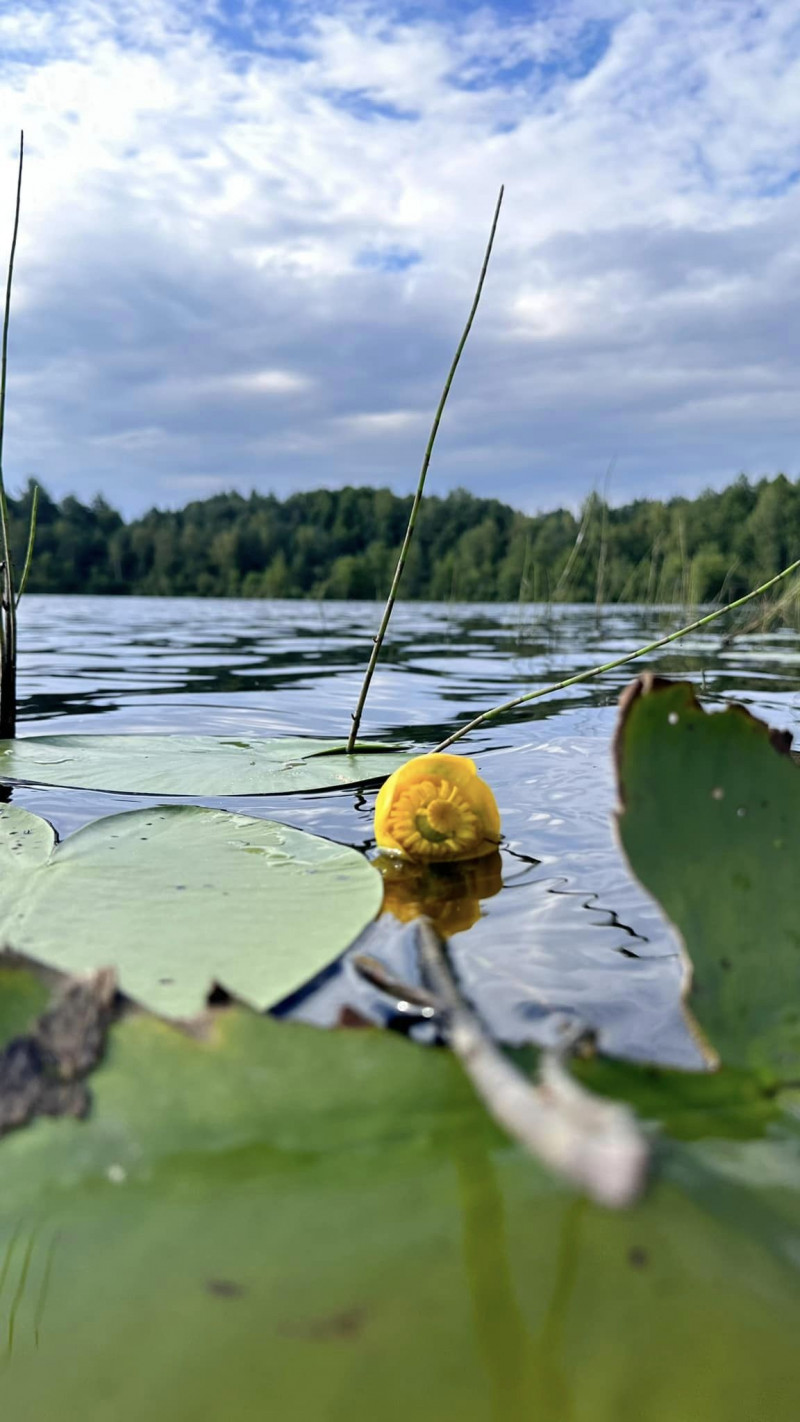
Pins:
<point x="251" y="233"/>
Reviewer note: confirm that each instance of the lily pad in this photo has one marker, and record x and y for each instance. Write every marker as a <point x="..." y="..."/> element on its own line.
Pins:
<point x="329" y="1222"/>
<point x="193" y="765"/>
<point x="710" y="823"/>
<point x="179" y="898"/>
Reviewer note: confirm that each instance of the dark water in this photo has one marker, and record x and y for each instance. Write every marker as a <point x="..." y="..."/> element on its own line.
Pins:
<point x="569" y="934"/>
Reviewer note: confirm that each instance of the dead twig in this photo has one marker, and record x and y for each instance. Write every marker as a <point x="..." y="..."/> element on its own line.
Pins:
<point x="595" y="1144"/>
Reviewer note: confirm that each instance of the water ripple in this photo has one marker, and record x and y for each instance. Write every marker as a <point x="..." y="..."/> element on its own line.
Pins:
<point x="570" y="934"/>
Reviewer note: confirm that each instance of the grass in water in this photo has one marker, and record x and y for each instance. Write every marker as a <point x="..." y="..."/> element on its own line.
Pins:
<point x="9" y="595"/>
<point x="495" y="711"/>
<point x="401" y="562"/>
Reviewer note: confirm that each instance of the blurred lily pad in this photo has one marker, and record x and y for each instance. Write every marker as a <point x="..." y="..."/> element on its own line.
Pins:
<point x="326" y="1220"/>
<point x="193" y="765"/>
<point x="179" y="898"/>
<point x="710" y="823"/>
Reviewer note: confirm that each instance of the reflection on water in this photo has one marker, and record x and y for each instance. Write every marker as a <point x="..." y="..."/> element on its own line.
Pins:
<point x="570" y="935"/>
<point x="450" y="895"/>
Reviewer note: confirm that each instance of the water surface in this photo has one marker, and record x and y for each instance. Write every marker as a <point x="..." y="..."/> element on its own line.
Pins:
<point x="569" y="936"/>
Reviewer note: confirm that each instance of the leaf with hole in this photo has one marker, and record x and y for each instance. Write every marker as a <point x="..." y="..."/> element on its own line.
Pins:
<point x="178" y="898"/>
<point x="194" y="765"/>
<point x="710" y="822"/>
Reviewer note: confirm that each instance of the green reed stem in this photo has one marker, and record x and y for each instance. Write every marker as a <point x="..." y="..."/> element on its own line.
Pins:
<point x="8" y="609"/>
<point x="401" y="562"/>
<point x="496" y="711"/>
<point x="31" y="540"/>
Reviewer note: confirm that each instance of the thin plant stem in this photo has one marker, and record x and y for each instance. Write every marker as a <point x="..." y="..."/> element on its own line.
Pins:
<point x="496" y="711"/>
<point x="31" y="540"/>
<point x="8" y="611"/>
<point x="401" y="562"/>
<point x="563" y="577"/>
<point x="762" y="621"/>
<point x="601" y="559"/>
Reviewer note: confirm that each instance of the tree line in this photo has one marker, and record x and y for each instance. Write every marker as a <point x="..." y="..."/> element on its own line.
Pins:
<point x="344" y="543"/>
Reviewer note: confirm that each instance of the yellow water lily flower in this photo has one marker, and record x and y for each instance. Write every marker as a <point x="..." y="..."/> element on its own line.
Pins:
<point x="436" y="808"/>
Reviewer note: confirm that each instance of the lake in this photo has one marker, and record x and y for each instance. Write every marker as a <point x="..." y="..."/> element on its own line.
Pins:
<point x="569" y="935"/>
<point x="257" y="1219"/>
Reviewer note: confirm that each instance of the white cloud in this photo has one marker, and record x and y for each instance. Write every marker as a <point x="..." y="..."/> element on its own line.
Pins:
<point x="383" y="421"/>
<point x="148" y="437"/>
<point x="220" y="387"/>
<point x="267" y="382"/>
<point x="198" y="293"/>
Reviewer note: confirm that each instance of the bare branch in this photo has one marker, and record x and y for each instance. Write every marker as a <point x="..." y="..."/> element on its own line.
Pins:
<point x="595" y="1144"/>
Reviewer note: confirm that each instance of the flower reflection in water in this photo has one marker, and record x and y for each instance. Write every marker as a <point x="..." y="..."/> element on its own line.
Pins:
<point x="449" y="894"/>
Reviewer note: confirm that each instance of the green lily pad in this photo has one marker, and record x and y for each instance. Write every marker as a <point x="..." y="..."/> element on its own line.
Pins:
<point x="178" y="898"/>
<point x="710" y="823"/>
<point x="326" y="1225"/>
<point x="193" y="765"/>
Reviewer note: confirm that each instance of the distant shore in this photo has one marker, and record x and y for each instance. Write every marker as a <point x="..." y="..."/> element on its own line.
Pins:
<point x="343" y="544"/>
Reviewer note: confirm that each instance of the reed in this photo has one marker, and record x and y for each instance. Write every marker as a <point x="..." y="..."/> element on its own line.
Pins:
<point x="8" y="601"/>
<point x="495" y="711"/>
<point x="9" y="593"/>
<point x="783" y="609"/>
<point x="437" y="419"/>
<point x="600" y="580"/>
<point x="563" y="577"/>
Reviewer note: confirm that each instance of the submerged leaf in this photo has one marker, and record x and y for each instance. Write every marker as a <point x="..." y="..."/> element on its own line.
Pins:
<point x="710" y="822"/>
<point x="179" y="898"/>
<point x="193" y="765"/>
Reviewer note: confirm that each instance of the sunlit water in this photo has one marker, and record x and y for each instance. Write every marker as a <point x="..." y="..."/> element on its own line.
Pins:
<point x="570" y="936"/>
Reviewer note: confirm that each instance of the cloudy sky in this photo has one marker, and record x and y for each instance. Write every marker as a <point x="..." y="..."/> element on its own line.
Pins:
<point x="251" y="232"/>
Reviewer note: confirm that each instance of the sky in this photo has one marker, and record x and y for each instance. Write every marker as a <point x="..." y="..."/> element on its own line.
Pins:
<point x="251" y="234"/>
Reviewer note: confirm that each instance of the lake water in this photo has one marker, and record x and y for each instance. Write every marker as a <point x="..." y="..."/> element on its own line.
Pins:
<point x="569" y="935"/>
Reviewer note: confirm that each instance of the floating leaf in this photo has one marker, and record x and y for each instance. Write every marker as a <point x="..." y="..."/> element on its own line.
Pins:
<point x="329" y="1222"/>
<point x="178" y="898"/>
<point x="710" y="822"/>
<point x="193" y="765"/>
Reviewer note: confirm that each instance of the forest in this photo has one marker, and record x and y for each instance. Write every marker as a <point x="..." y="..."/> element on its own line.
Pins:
<point x="344" y="543"/>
